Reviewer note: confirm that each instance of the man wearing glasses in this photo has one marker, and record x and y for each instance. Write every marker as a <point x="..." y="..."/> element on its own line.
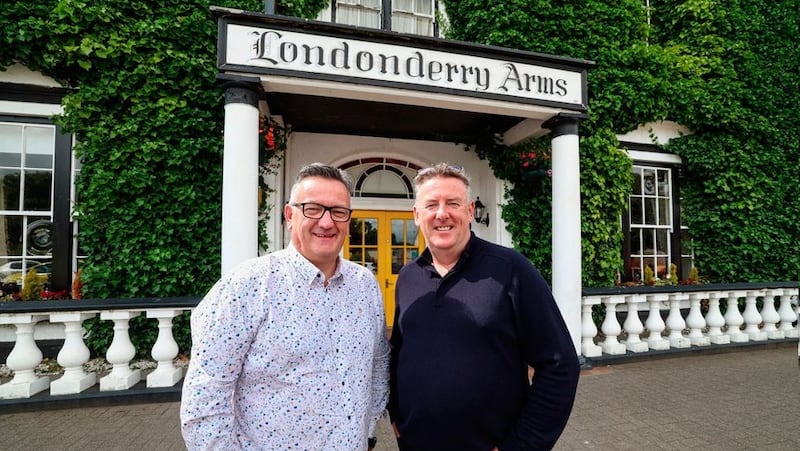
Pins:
<point x="470" y="318"/>
<point x="289" y="350"/>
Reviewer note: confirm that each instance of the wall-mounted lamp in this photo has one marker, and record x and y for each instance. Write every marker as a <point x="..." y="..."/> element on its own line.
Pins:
<point x="479" y="210"/>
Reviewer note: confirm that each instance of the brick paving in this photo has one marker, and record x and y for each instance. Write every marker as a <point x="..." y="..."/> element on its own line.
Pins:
<point x="743" y="400"/>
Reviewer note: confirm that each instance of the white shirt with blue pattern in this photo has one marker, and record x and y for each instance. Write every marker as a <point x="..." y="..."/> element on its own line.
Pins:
<point x="282" y="362"/>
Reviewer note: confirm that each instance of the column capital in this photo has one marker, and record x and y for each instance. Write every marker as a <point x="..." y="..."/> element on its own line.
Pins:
<point x="564" y="124"/>
<point x="240" y="89"/>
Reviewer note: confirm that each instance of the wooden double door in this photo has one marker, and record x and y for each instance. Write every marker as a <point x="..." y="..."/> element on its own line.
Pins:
<point x="383" y="241"/>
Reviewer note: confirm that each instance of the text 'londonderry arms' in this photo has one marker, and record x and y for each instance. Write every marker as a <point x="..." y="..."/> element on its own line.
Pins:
<point x="411" y="65"/>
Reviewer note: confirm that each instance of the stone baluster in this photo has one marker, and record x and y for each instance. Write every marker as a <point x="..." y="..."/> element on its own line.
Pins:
<point x="164" y="351"/>
<point x="23" y="358"/>
<point x="788" y="315"/>
<point x="734" y="318"/>
<point x="770" y="316"/>
<point x="120" y="353"/>
<point x="72" y="355"/>
<point x="633" y="325"/>
<point x="752" y="319"/>
<point x="654" y="323"/>
<point x="695" y="320"/>
<point x="588" y="329"/>
<point x="715" y="320"/>
<point x="676" y="323"/>
<point x="611" y="327"/>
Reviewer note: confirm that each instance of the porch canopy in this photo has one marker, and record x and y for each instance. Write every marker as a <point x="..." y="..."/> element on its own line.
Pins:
<point x="321" y="77"/>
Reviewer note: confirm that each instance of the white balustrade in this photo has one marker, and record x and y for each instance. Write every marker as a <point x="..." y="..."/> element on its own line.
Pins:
<point x="164" y="351"/>
<point x="676" y="323"/>
<point x="73" y="354"/>
<point x="711" y="329"/>
<point x="695" y="321"/>
<point x="120" y="353"/>
<point x="734" y="318"/>
<point x="589" y="331"/>
<point x="788" y="315"/>
<point x="633" y="325"/>
<point x="715" y="320"/>
<point x="655" y="323"/>
<point x="610" y="327"/>
<point x="770" y="316"/>
<point x="752" y="319"/>
<point x="23" y="358"/>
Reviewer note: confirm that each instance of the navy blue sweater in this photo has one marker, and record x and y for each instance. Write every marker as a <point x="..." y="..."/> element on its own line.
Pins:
<point x="461" y="346"/>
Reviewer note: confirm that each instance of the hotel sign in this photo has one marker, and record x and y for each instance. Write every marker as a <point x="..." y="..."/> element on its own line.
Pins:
<point x="303" y="54"/>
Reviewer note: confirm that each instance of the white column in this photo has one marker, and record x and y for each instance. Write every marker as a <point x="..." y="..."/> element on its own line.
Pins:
<point x="715" y="320"/>
<point x="589" y="330"/>
<point x="734" y="318"/>
<point x="655" y="323"/>
<point x="240" y="176"/>
<point x="770" y="315"/>
<point x="23" y="358"/>
<point x="164" y="351"/>
<point x="120" y="353"/>
<point x="611" y="327"/>
<point x="695" y="320"/>
<point x="788" y="315"/>
<point x="633" y="325"/>
<point x="72" y="355"/>
<point x="676" y="323"/>
<point x="566" y="225"/>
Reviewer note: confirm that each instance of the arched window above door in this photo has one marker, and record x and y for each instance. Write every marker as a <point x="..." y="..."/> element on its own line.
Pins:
<point x="382" y="177"/>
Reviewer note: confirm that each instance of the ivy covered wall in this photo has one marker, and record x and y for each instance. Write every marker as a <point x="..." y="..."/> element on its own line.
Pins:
<point x="727" y="70"/>
<point x="147" y="113"/>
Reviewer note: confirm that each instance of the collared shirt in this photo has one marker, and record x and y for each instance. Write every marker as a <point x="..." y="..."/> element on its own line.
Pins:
<point x="282" y="362"/>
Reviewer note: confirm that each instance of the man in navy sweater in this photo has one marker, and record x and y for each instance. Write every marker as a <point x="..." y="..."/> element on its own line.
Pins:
<point x="471" y="317"/>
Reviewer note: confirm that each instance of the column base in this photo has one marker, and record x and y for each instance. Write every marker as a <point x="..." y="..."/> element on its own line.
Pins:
<point x="164" y="378"/>
<point x="70" y="386"/>
<point x="11" y="390"/>
<point x="114" y="382"/>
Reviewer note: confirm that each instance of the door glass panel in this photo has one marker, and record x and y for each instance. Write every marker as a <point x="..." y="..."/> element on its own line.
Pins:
<point x="363" y="247"/>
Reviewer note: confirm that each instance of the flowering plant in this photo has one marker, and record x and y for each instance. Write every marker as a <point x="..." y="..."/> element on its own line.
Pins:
<point x="536" y="163"/>
<point x="272" y="143"/>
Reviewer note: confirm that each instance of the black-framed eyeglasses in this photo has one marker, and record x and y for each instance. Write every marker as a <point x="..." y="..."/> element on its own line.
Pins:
<point x="317" y="211"/>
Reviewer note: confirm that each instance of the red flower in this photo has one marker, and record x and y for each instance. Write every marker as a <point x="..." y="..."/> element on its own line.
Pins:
<point x="270" y="138"/>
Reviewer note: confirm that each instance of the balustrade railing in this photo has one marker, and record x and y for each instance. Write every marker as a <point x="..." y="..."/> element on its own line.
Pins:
<point x="26" y="355"/>
<point x="646" y="319"/>
<point x="632" y="321"/>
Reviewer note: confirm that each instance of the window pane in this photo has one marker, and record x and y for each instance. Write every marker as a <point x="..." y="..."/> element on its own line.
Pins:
<point x="412" y="233"/>
<point x="371" y="231"/>
<point x="9" y="184"/>
<point x="10" y="145"/>
<point x="637" y="181"/>
<point x="11" y="235"/>
<point x="637" y="216"/>
<point x="650" y="211"/>
<point x="403" y="5"/>
<point x="37" y="190"/>
<point x="662" y="245"/>
<point x="649" y="182"/>
<point x="39" y="147"/>
<point x="663" y="212"/>
<point x="648" y="244"/>
<point x="663" y="183"/>
<point x="636" y="241"/>
<point x="424" y="7"/>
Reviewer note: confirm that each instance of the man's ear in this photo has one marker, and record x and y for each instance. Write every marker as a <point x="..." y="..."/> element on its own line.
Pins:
<point x="287" y="215"/>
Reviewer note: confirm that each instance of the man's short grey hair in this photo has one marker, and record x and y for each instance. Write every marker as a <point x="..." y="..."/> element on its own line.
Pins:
<point x="323" y="171"/>
<point x="441" y="170"/>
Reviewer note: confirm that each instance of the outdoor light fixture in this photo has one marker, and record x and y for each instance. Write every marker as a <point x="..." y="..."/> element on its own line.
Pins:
<point x="479" y="210"/>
